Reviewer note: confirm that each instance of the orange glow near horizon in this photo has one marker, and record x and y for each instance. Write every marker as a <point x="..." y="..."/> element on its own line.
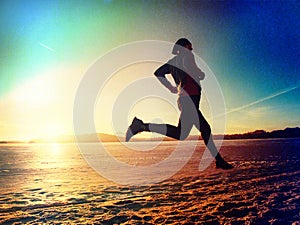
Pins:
<point x="42" y="107"/>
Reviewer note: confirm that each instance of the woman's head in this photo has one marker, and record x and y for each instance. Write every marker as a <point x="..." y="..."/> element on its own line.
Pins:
<point x="182" y="42"/>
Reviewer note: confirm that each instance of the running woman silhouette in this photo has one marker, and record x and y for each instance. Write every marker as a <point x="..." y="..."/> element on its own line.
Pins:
<point x="187" y="76"/>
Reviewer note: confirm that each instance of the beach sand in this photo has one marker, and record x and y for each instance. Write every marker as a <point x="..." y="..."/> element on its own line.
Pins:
<point x="52" y="184"/>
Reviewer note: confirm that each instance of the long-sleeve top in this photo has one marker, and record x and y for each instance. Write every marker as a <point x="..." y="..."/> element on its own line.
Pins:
<point x="185" y="72"/>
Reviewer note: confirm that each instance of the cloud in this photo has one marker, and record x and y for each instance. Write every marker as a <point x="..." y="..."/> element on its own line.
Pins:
<point x="263" y="99"/>
<point x="46" y="46"/>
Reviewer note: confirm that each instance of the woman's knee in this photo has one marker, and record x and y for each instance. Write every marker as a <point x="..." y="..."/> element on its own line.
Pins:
<point x="182" y="138"/>
<point x="206" y="129"/>
<point x="204" y="126"/>
<point x="184" y="134"/>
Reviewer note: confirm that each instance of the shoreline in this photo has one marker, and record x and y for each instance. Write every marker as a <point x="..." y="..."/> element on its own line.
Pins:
<point x="143" y="140"/>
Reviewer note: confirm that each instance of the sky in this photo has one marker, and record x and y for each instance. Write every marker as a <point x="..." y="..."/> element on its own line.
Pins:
<point x="252" y="47"/>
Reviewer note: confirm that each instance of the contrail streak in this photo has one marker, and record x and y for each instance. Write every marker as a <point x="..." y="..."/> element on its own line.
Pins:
<point x="263" y="99"/>
<point x="47" y="47"/>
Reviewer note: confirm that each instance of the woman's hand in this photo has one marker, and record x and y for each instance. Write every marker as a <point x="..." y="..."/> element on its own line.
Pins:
<point x="173" y="89"/>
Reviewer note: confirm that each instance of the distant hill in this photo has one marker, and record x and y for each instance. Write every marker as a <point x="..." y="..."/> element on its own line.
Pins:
<point x="286" y="133"/>
<point x="258" y="134"/>
<point x="97" y="137"/>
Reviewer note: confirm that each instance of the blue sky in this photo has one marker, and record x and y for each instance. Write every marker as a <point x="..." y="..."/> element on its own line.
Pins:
<point x="252" y="47"/>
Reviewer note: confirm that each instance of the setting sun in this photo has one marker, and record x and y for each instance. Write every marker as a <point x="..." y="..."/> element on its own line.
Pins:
<point x="53" y="130"/>
<point x="37" y="92"/>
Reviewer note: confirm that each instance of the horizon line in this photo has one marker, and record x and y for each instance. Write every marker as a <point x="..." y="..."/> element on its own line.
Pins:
<point x="113" y="135"/>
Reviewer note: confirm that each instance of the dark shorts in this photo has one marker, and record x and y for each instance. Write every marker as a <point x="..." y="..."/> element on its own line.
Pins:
<point x="184" y="102"/>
